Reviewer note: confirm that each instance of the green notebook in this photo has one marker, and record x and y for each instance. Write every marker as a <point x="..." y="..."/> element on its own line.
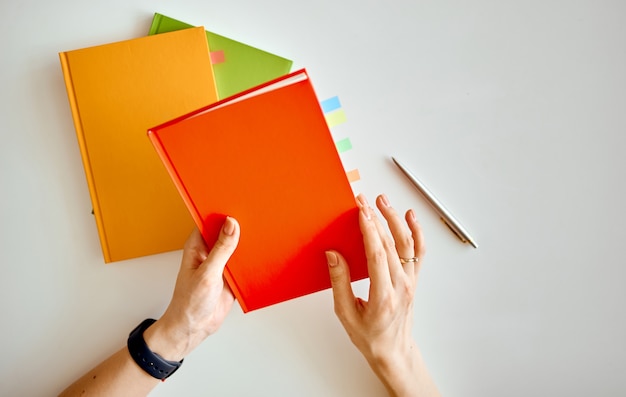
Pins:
<point x="237" y="66"/>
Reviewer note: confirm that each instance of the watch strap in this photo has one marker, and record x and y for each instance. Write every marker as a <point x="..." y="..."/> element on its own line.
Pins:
<point x="155" y="365"/>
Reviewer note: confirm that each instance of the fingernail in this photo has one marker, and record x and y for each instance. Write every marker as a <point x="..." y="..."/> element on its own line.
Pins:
<point x="412" y="215"/>
<point x="385" y="200"/>
<point x="362" y="200"/>
<point x="331" y="258"/>
<point x="364" y="207"/>
<point x="229" y="226"/>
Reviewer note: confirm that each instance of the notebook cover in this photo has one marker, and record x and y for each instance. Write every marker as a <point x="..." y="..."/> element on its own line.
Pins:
<point x="270" y="162"/>
<point x="239" y="66"/>
<point x="116" y="92"/>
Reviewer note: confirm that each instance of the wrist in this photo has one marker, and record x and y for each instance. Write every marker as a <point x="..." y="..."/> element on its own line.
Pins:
<point x="164" y="340"/>
<point x="398" y="369"/>
<point x="149" y="361"/>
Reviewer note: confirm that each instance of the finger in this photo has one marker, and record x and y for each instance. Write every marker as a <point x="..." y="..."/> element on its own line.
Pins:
<point x="343" y="296"/>
<point x="392" y="261"/>
<point x="195" y="251"/>
<point x="402" y="238"/>
<point x="224" y="246"/>
<point x="418" y="239"/>
<point x="375" y="252"/>
<point x="403" y="241"/>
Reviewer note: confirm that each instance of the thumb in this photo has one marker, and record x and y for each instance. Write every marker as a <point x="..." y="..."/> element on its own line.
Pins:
<point x="224" y="246"/>
<point x="340" y="282"/>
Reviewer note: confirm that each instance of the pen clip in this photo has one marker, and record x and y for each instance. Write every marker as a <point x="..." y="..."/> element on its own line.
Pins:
<point x="454" y="230"/>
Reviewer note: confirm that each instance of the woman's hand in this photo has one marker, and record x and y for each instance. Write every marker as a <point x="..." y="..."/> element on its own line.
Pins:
<point x="201" y="299"/>
<point x="200" y="303"/>
<point x="381" y="327"/>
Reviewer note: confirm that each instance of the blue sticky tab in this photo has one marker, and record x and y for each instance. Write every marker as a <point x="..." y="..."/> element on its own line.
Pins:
<point x="330" y="104"/>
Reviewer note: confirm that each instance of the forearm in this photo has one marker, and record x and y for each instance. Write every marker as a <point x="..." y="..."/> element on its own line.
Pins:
<point x="405" y="375"/>
<point x="200" y="303"/>
<point x="118" y="375"/>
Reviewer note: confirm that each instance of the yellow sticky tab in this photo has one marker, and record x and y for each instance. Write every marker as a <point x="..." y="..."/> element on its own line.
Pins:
<point x="335" y="118"/>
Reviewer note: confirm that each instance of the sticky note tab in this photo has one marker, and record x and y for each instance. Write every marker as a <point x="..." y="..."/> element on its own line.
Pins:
<point x="330" y="104"/>
<point x="353" y="175"/>
<point x="343" y="145"/>
<point x="217" y="57"/>
<point x="335" y="118"/>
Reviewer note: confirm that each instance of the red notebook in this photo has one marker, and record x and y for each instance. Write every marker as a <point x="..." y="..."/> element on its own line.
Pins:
<point x="267" y="158"/>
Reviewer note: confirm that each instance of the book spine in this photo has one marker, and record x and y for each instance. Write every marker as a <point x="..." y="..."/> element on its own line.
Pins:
<point x="234" y="287"/>
<point x="156" y="22"/>
<point x="71" y="95"/>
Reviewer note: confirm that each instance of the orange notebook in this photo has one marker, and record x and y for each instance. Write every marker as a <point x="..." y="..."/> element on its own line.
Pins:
<point x="116" y="92"/>
<point x="267" y="158"/>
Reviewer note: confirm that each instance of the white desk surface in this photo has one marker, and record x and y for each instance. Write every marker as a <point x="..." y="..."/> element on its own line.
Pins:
<point x="513" y="112"/>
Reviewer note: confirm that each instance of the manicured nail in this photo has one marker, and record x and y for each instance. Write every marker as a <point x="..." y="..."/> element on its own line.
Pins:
<point x="385" y="200"/>
<point x="331" y="258"/>
<point x="364" y="206"/>
<point x="362" y="200"/>
<point x="229" y="226"/>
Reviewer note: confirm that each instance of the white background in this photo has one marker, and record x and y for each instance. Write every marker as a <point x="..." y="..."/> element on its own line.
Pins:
<point x="514" y="114"/>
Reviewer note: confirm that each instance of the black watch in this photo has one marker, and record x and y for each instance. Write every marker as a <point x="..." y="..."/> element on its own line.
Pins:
<point x="149" y="361"/>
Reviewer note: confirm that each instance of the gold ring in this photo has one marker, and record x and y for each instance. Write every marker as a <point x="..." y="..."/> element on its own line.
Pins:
<point x="415" y="259"/>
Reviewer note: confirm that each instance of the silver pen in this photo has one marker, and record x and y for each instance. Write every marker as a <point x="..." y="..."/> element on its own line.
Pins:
<point x="444" y="214"/>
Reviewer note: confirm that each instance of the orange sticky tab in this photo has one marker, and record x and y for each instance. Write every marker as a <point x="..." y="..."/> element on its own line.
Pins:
<point x="353" y="175"/>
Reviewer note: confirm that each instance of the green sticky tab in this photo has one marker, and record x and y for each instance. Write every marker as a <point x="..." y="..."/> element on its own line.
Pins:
<point x="343" y="145"/>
